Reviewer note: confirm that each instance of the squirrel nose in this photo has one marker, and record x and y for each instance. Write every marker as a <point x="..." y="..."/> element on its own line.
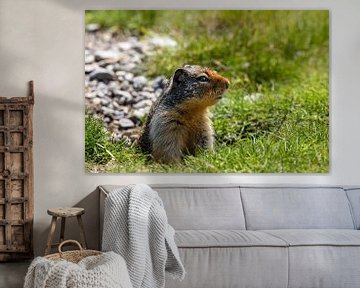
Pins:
<point x="227" y="83"/>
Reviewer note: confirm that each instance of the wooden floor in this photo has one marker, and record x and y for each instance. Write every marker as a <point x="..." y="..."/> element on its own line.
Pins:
<point x="12" y="274"/>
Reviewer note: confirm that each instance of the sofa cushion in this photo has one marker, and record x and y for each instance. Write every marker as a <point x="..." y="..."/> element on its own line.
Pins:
<point x="324" y="266"/>
<point x="322" y="258"/>
<point x="226" y="238"/>
<point x="296" y="208"/>
<point x="204" y="208"/>
<point x="315" y="237"/>
<point x="198" y="206"/>
<point x="354" y="198"/>
<point x="220" y="267"/>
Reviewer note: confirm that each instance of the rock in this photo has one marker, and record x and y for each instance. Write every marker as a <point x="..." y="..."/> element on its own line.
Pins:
<point x="160" y="41"/>
<point x="90" y="95"/>
<point x="159" y="82"/>
<point x="124" y="96"/>
<point x="106" y="37"/>
<point x="129" y="76"/>
<point x="158" y="93"/>
<point x="126" y="123"/>
<point x="102" y="86"/>
<point x="116" y="105"/>
<point x="147" y="109"/>
<point x="107" y="111"/>
<point x="113" y="125"/>
<point x="117" y="67"/>
<point x="89" y="59"/>
<point x="101" y="74"/>
<point x="92" y="27"/>
<point x="125" y="109"/>
<point x="100" y="94"/>
<point x="124" y="59"/>
<point x="128" y="67"/>
<point x="141" y="48"/>
<point x="143" y="104"/>
<point x="118" y="117"/>
<point x="113" y="85"/>
<point x="139" y="82"/>
<point x="135" y="119"/>
<point x="120" y="76"/>
<point x="145" y="94"/>
<point x="90" y="67"/>
<point x="110" y="67"/>
<point x="121" y="73"/>
<point x="136" y="59"/>
<point x="148" y="89"/>
<point x="93" y="83"/>
<point x="102" y="89"/>
<point x="139" y="113"/>
<point x="124" y="46"/>
<point x="125" y="85"/>
<point x="105" y="101"/>
<point x="106" y="55"/>
<point x="253" y="97"/>
<point x="153" y="98"/>
<point x="96" y="101"/>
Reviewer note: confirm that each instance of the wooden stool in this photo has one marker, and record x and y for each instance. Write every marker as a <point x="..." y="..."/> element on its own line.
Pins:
<point x="64" y="213"/>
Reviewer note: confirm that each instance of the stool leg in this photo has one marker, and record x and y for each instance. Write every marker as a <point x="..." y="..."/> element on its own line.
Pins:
<point x="62" y="231"/>
<point x="82" y="232"/>
<point x="51" y="235"/>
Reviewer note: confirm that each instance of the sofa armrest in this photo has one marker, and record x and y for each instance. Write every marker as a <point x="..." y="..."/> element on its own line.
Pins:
<point x="103" y="195"/>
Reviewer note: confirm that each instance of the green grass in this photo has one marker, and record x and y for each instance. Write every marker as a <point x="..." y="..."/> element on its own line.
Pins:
<point x="282" y="55"/>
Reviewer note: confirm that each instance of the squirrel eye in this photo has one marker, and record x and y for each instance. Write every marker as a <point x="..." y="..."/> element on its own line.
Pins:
<point x="203" y="79"/>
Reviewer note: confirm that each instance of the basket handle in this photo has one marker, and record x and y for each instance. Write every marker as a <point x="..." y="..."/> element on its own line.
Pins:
<point x="69" y="241"/>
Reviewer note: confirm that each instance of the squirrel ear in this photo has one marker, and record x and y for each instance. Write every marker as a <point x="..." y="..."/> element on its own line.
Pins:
<point x="179" y="76"/>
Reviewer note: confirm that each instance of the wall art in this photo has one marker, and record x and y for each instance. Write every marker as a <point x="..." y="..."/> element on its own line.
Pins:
<point x="207" y="91"/>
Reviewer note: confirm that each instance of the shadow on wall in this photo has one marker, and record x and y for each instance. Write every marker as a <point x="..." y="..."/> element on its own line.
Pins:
<point x="91" y="217"/>
<point x="58" y="190"/>
<point x="10" y="86"/>
<point x="72" y="231"/>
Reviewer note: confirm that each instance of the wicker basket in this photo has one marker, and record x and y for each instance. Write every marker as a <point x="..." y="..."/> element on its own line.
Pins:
<point x="72" y="256"/>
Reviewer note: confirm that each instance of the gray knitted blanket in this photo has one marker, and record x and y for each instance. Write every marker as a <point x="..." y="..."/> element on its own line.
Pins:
<point x="136" y="227"/>
<point x="107" y="270"/>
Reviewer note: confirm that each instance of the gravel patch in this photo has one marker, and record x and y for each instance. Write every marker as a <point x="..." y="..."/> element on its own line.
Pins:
<point x="115" y="88"/>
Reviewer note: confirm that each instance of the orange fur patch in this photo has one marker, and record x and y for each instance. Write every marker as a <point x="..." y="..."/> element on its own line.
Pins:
<point x="216" y="77"/>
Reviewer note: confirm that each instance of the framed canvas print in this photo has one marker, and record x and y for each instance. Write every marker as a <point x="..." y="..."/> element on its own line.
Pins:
<point x="243" y="91"/>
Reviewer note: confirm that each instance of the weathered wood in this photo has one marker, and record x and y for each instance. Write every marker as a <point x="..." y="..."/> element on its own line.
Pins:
<point x="62" y="231"/>
<point x="16" y="177"/>
<point x="82" y="232"/>
<point x="66" y="211"/>
<point x="51" y="235"/>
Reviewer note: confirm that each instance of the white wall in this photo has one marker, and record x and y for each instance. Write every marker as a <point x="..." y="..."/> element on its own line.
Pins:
<point x="43" y="40"/>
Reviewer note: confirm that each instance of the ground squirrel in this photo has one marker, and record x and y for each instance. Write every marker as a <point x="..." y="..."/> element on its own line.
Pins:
<point x="178" y="122"/>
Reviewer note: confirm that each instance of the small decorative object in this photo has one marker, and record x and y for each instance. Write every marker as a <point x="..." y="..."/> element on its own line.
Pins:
<point x="80" y="268"/>
<point x="64" y="213"/>
<point x="72" y="256"/>
<point x="16" y="177"/>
